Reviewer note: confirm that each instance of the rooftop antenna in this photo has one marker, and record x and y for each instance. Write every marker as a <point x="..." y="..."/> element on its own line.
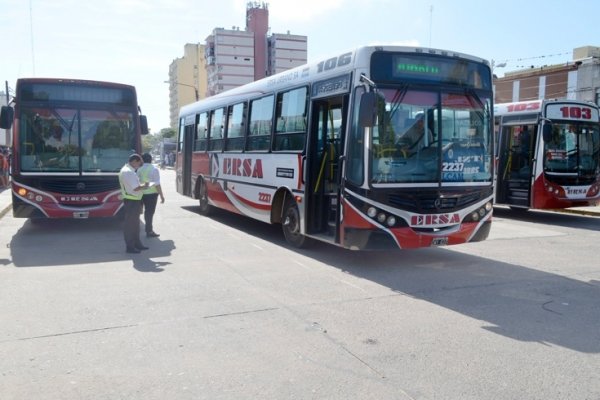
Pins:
<point x="31" y="34"/>
<point x="430" y="22"/>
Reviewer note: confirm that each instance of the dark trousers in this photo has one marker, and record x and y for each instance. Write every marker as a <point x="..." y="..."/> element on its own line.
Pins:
<point x="131" y="223"/>
<point x="149" y="201"/>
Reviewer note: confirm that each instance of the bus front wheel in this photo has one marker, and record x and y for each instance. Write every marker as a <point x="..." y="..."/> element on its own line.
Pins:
<point x="291" y="225"/>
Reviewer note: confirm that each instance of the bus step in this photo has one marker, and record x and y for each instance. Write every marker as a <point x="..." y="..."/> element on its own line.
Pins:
<point x="518" y="184"/>
<point x="518" y="201"/>
<point x="522" y="194"/>
<point x="331" y="228"/>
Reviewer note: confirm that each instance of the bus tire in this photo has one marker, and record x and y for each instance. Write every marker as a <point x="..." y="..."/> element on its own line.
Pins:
<point x="290" y="224"/>
<point x="205" y="207"/>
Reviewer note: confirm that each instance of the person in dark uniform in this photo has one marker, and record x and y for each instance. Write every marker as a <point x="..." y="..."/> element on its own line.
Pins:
<point x="131" y="191"/>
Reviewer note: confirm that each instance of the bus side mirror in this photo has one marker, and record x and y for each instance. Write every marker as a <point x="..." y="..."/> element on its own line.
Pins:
<point x="368" y="109"/>
<point x="144" y="124"/>
<point x="7" y="114"/>
<point x="547" y="132"/>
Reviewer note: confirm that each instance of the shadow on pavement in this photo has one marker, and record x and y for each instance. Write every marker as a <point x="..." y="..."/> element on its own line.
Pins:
<point x="42" y="244"/>
<point x="511" y="300"/>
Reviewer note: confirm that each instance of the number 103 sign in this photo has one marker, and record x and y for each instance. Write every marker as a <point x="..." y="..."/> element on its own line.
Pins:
<point x="572" y="112"/>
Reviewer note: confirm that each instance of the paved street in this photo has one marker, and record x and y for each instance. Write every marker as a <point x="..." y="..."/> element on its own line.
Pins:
<point x="221" y="308"/>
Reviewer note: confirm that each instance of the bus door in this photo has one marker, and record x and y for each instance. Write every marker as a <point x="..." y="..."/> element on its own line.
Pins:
<point x="323" y="160"/>
<point x="184" y="158"/>
<point x="516" y="164"/>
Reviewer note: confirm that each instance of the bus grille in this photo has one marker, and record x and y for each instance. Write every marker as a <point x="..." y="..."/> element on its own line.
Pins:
<point x="80" y="186"/>
<point x="433" y="203"/>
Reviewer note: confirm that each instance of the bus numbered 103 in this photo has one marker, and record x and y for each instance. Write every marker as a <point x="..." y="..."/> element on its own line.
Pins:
<point x="548" y="154"/>
<point x="70" y="139"/>
<point x="382" y="147"/>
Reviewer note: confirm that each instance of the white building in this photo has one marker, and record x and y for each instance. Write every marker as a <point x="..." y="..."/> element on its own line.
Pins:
<point x="235" y="57"/>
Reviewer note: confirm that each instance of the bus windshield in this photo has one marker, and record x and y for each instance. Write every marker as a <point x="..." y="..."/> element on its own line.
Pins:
<point x="70" y="140"/>
<point x="573" y="148"/>
<point x="429" y="137"/>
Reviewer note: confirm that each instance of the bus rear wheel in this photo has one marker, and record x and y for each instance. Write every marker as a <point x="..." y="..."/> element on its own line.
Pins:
<point x="205" y="208"/>
<point x="290" y="224"/>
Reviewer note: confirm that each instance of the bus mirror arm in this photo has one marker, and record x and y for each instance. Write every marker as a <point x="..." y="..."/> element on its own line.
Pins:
<point x="547" y="130"/>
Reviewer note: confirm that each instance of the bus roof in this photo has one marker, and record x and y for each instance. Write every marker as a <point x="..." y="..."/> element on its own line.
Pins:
<point x="311" y="72"/>
<point x="71" y="81"/>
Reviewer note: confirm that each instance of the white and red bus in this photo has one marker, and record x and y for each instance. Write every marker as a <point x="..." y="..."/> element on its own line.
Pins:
<point x="548" y="154"/>
<point x="321" y="150"/>
<point x="70" y="139"/>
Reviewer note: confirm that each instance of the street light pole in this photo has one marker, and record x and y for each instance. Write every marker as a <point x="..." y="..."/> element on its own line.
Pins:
<point x="185" y="84"/>
<point x="499" y="65"/>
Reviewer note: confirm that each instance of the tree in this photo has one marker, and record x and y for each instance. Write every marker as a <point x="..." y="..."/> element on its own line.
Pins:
<point x="152" y="141"/>
<point x="149" y="142"/>
<point x="167" y="133"/>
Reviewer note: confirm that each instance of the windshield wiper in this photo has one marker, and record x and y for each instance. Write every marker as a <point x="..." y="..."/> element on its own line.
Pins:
<point x="473" y="94"/>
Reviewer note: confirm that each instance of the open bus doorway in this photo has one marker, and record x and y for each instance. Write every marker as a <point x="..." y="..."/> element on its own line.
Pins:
<point x="516" y="164"/>
<point x="325" y="149"/>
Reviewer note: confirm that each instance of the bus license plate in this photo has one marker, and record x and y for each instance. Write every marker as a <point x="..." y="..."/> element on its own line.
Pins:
<point x="441" y="241"/>
<point x="81" y="214"/>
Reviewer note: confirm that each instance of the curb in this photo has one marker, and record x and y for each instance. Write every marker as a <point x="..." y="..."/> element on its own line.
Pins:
<point x="578" y="212"/>
<point x="6" y="210"/>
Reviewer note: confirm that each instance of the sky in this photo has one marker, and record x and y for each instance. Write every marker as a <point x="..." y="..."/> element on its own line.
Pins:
<point x="135" y="41"/>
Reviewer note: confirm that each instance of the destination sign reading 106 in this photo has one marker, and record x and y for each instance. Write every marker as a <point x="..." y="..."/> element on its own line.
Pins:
<point x="417" y="69"/>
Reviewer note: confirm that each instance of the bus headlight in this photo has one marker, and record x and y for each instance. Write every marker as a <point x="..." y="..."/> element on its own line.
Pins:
<point x="381" y="218"/>
<point x="475" y="216"/>
<point x="391" y="221"/>
<point x="372" y="212"/>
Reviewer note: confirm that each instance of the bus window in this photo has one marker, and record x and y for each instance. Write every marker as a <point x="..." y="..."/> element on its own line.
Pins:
<point x="201" y="132"/>
<point x="290" y="131"/>
<point x="261" y="120"/>
<point x="216" y="129"/>
<point x="235" y="127"/>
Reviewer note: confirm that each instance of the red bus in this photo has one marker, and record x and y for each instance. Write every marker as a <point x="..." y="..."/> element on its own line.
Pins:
<point x="332" y="150"/>
<point x="70" y="139"/>
<point x="548" y="154"/>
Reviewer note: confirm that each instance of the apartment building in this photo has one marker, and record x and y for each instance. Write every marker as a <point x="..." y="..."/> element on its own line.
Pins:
<point x="232" y="57"/>
<point x="577" y="79"/>
<point x="187" y="80"/>
<point x="235" y="57"/>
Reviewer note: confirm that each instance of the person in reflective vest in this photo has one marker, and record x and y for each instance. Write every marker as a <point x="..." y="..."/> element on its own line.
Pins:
<point x="150" y="174"/>
<point x="131" y="191"/>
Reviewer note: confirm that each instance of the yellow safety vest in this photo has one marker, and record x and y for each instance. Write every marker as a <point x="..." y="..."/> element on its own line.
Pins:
<point x="144" y="175"/>
<point x="124" y="193"/>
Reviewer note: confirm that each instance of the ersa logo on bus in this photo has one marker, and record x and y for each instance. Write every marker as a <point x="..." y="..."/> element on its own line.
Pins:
<point x="235" y="166"/>
<point x="435" y="220"/>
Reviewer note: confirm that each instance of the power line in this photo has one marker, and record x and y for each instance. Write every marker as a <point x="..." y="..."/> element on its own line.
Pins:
<point x="511" y="60"/>
<point x="31" y="33"/>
